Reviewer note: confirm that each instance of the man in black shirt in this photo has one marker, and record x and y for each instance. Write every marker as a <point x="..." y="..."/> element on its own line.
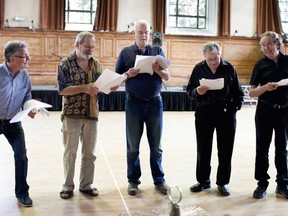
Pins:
<point x="271" y="113"/>
<point x="216" y="109"/>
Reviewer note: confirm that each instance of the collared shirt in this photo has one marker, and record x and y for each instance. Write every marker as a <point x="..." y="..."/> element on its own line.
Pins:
<point x="71" y="74"/>
<point x="143" y="85"/>
<point x="231" y="93"/>
<point x="266" y="70"/>
<point x="14" y="91"/>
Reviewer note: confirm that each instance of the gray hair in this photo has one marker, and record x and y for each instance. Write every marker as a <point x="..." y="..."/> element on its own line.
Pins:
<point x="12" y="47"/>
<point x="142" y="22"/>
<point x="82" y="36"/>
<point x="211" y="47"/>
<point x="276" y="39"/>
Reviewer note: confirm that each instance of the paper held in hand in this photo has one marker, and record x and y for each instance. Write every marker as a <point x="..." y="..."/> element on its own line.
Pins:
<point x="109" y="79"/>
<point x="213" y="84"/>
<point x="283" y="82"/>
<point x="144" y="63"/>
<point x="33" y="106"/>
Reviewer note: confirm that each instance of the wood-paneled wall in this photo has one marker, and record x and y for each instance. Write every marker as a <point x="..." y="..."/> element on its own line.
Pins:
<point x="47" y="47"/>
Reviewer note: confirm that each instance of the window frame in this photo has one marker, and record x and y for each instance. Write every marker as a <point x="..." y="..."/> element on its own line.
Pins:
<point x="80" y="26"/>
<point x="284" y="22"/>
<point x="211" y="22"/>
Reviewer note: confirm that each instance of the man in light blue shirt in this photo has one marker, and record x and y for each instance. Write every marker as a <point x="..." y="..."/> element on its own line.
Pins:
<point x="15" y="90"/>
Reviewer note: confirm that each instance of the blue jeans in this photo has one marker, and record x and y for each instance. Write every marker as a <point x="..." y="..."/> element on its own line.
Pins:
<point x="15" y="136"/>
<point x="140" y="112"/>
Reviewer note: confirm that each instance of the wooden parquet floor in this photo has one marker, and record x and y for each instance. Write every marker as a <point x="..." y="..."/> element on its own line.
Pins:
<point x="45" y="177"/>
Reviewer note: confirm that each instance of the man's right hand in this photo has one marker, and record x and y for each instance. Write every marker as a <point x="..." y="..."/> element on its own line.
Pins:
<point x="132" y="72"/>
<point x="202" y="90"/>
<point x="91" y="89"/>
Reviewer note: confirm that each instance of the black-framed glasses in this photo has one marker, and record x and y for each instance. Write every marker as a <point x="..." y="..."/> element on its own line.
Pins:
<point x="25" y="56"/>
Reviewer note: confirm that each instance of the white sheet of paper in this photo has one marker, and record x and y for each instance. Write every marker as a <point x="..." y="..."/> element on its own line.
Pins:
<point x="283" y="82"/>
<point x="162" y="61"/>
<point x="109" y="79"/>
<point x="213" y="84"/>
<point x="31" y="105"/>
<point x="144" y="63"/>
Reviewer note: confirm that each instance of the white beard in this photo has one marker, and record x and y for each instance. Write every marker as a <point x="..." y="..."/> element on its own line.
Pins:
<point x="86" y="56"/>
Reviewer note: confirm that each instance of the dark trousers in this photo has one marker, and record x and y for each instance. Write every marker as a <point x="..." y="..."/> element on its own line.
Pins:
<point x="140" y="113"/>
<point x="268" y="119"/>
<point x="207" y="120"/>
<point x="15" y="136"/>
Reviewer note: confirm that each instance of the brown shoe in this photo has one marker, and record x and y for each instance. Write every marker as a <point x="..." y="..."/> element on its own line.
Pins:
<point x="133" y="189"/>
<point x="162" y="188"/>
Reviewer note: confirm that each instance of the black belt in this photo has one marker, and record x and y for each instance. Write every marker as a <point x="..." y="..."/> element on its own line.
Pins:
<point x="4" y="121"/>
<point x="275" y="106"/>
<point x="142" y="99"/>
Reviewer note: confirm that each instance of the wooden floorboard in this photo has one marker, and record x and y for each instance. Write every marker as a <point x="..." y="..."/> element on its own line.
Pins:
<point x="45" y="177"/>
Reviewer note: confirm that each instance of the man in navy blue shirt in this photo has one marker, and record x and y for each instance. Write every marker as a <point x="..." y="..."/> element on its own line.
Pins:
<point x="143" y="105"/>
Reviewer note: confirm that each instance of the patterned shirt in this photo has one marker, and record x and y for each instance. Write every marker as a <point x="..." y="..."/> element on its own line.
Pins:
<point x="71" y="74"/>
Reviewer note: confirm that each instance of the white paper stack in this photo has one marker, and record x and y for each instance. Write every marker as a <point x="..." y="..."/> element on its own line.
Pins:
<point x="33" y="106"/>
<point x="213" y="84"/>
<point x="144" y="63"/>
<point x="109" y="79"/>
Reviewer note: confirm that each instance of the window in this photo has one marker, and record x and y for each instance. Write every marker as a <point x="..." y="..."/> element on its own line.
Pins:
<point x="80" y="14"/>
<point x="283" y="5"/>
<point x="192" y="17"/>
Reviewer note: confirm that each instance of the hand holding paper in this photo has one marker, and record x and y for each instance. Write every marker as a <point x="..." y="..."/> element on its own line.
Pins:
<point x="213" y="84"/>
<point x="33" y="106"/>
<point x="162" y="61"/>
<point x="109" y="79"/>
<point x="144" y="63"/>
<point x="283" y="82"/>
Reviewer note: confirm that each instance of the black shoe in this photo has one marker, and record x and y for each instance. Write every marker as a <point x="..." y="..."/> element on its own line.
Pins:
<point x="259" y="192"/>
<point x="90" y="192"/>
<point x="283" y="191"/>
<point x="162" y="188"/>
<point x="26" y="201"/>
<point x="224" y="190"/>
<point x="132" y="189"/>
<point x="199" y="187"/>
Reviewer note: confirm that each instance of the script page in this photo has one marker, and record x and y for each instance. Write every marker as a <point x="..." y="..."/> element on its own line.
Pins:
<point x="144" y="63"/>
<point x="31" y="105"/>
<point x="283" y="82"/>
<point x="109" y="79"/>
<point x="213" y="84"/>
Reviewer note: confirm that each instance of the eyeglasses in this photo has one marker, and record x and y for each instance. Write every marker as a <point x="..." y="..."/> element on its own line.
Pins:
<point x="25" y="56"/>
<point x="217" y="59"/>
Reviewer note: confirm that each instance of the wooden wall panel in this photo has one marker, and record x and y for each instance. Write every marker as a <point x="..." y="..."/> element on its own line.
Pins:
<point x="50" y="45"/>
<point x="120" y="44"/>
<point x="107" y="48"/>
<point x="47" y="47"/>
<point x="66" y="45"/>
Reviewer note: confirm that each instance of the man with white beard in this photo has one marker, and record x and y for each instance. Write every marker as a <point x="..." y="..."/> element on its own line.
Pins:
<point x="76" y="75"/>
